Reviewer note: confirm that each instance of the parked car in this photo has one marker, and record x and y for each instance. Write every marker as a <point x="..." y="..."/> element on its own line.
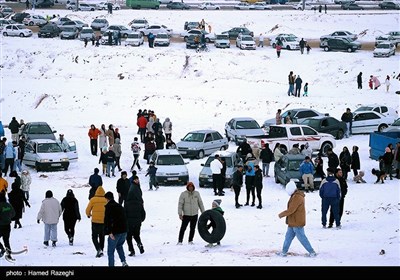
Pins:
<point x="340" y="34"/>
<point x="384" y="50"/>
<point x="73" y="23"/>
<point x="38" y="130"/>
<point x="47" y="154"/>
<point x="199" y="143"/>
<point x="389" y="5"/>
<point x="307" y="6"/>
<point x="155" y="29"/>
<point x="396" y="36"/>
<point x="16" y="30"/>
<point x="222" y="41"/>
<point x="351" y="6"/>
<point x="50" y="30"/>
<point x="231" y="159"/>
<point x="104" y="6"/>
<point x="7" y="11"/>
<point x="191" y="42"/>
<point x="190" y="25"/>
<point x="234" y="32"/>
<point x="287" y="41"/>
<point x="178" y="6"/>
<point x="326" y="124"/>
<point x="242" y="6"/>
<point x="382" y="109"/>
<point x="370" y="121"/>
<point x="60" y="21"/>
<point x="209" y="37"/>
<point x="245" y="42"/>
<point x="4" y="22"/>
<point x="99" y="23"/>
<point x="19" y="17"/>
<point x="134" y="39"/>
<point x="260" y="6"/>
<point x="121" y="28"/>
<point x="237" y="129"/>
<point x="162" y="40"/>
<point x="288" y="169"/>
<point x="69" y="33"/>
<point x="340" y="2"/>
<point x="340" y="44"/>
<point x="87" y="33"/>
<point x="171" y="168"/>
<point x="32" y="20"/>
<point x="139" y="23"/>
<point x="394" y="127"/>
<point x="385" y="39"/>
<point x="297" y="116"/>
<point x="209" y="6"/>
<point x="86" y="7"/>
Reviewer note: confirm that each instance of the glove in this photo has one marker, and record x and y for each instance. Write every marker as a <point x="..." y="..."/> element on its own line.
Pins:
<point x="27" y="204"/>
<point x="38" y="221"/>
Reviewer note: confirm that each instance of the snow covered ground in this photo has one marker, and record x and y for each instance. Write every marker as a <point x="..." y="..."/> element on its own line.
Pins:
<point x="82" y="86"/>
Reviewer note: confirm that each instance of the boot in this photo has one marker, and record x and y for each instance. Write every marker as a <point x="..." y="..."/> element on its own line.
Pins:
<point x="141" y="249"/>
<point x="132" y="253"/>
<point x="19" y="224"/>
<point x="71" y="240"/>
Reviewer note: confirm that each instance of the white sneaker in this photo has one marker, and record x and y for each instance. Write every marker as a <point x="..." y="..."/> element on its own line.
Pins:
<point x="191" y="243"/>
<point x="312" y="255"/>
<point x="124" y="264"/>
<point x="179" y="243"/>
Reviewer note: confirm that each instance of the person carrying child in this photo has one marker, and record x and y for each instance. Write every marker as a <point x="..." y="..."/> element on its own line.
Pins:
<point x="216" y="206"/>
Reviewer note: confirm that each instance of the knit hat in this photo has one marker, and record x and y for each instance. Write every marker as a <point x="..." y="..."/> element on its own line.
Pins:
<point x="109" y="195"/>
<point x="217" y="202"/>
<point x="291" y="188"/>
<point x="49" y="194"/>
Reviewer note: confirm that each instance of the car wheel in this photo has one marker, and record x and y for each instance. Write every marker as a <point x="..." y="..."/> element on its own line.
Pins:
<point x="382" y="127"/>
<point x="5" y="34"/>
<point x="288" y="47"/>
<point x="31" y="23"/>
<point x="326" y="49"/>
<point x="349" y="49"/>
<point x="208" y="40"/>
<point x="324" y="148"/>
<point x="340" y="134"/>
<point x="21" y="35"/>
<point x="200" y="155"/>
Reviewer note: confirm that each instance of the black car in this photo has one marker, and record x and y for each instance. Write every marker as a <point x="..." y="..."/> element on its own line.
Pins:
<point x="328" y="125"/>
<point x="178" y="6"/>
<point x="19" y="17"/>
<point x="49" y="31"/>
<point x="351" y="6"/>
<point x="389" y="5"/>
<point x="341" y="44"/>
<point x="191" y="42"/>
<point x="234" y="32"/>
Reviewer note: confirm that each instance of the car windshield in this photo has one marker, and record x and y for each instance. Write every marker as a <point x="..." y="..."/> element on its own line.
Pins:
<point x="396" y="123"/>
<point x="69" y="29"/>
<point x="294" y="165"/>
<point x="383" y="46"/>
<point x="247" y="125"/>
<point x="228" y="161"/>
<point x="162" y="35"/>
<point x="364" y="108"/>
<point x="49" y="148"/>
<point x="87" y="31"/>
<point x="170" y="160"/>
<point x="247" y="38"/>
<point x="39" y="129"/>
<point x="222" y="37"/>
<point x="194" y="137"/>
<point x="134" y="36"/>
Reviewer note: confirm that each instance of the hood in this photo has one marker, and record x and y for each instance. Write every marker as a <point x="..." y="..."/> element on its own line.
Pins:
<point x="100" y="191"/>
<point x="291" y="188"/>
<point x="250" y="132"/>
<point x="330" y="178"/>
<point x="167" y="119"/>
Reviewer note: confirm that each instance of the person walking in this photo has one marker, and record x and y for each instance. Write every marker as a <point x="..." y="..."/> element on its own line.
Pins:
<point x="123" y="185"/>
<point x="50" y="212"/>
<point x="216" y="167"/>
<point x="347" y="117"/>
<point x="95" y="210"/>
<point x="296" y="220"/>
<point x="110" y="158"/>
<point x="345" y="162"/>
<point x="302" y="45"/>
<point x="26" y="181"/>
<point x="298" y="83"/>
<point x="387" y="83"/>
<point x="167" y="127"/>
<point x="71" y="214"/>
<point x="118" y="152"/>
<point x="343" y="192"/>
<point x="330" y="195"/>
<point x="7" y="213"/>
<point x="135" y="148"/>
<point x="135" y="215"/>
<point x="115" y="227"/>
<point x="249" y="182"/>
<point x="151" y="172"/>
<point x="278" y="50"/>
<point x="359" y="80"/>
<point x="103" y="138"/>
<point x="355" y="161"/>
<point x="261" y="41"/>
<point x="93" y="134"/>
<point x="95" y="181"/>
<point x="189" y="204"/>
<point x="291" y="79"/>
<point x="258" y="184"/>
<point x="17" y="199"/>
<point x="27" y="4"/>
<point x="266" y="156"/>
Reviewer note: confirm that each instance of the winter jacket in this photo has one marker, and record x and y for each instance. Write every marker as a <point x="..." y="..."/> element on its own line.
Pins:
<point x="343" y="187"/>
<point x="123" y="188"/>
<point x="50" y="211"/>
<point x="114" y="218"/>
<point x="103" y="139"/>
<point x="110" y="156"/>
<point x="17" y="198"/>
<point x="345" y="160"/>
<point x="266" y="155"/>
<point x="134" y="209"/>
<point x="237" y="179"/>
<point x="189" y="203"/>
<point x="167" y="126"/>
<point x="95" y="207"/>
<point x="117" y="147"/>
<point x="258" y="179"/>
<point x="330" y="187"/>
<point x="70" y="208"/>
<point x="277" y="154"/>
<point x="13" y="126"/>
<point x="296" y="211"/>
<point x="306" y="168"/>
<point x="7" y="213"/>
<point x="9" y="151"/>
<point x="103" y="158"/>
<point x="355" y="160"/>
<point x="347" y="117"/>
<point x="94" y="133"/>
<point x="141" y="122"/>
<point x="333" y="161"/>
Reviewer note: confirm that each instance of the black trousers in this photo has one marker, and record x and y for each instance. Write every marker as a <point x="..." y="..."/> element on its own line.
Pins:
<point x="5" y="234"/>
<point x="331" y="217"/>
<point x="236" y="189"/>
<point x="98" y="236"/>
<point x="217" y="183"/>
<point x="133" y="233"/>
<point x="185" y="222"/>
<point x="93" y="146"/>
<point x="258" y="192"/>
<point x="69" y="227"/>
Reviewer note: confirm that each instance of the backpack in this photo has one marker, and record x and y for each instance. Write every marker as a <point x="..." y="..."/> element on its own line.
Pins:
<point x="135" y="147"/>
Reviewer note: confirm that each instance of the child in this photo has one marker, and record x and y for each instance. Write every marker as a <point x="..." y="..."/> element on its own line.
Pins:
<point x="151" y="171"/>
<point x="216" y="207"/>
<point x="305" y="90"/>
<point x="359" y="177"/>
<point x="370" y="83"/>
<point x="308" y="48"/>
<point x="380" y="175"/>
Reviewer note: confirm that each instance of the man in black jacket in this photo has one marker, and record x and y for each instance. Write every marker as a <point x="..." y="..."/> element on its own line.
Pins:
<point x="123" y="185"/>
<point x="237" y="182"/>
<point x="115" y="227"/>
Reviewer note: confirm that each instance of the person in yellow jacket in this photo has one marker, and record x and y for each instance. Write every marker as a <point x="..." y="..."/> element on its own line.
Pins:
<point x="95" y="210"/>
<point x="3" y="183"/>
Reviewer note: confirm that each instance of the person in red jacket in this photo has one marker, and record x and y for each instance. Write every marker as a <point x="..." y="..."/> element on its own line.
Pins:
<point x="93" y="135"/>
<point x="141" y="123"/>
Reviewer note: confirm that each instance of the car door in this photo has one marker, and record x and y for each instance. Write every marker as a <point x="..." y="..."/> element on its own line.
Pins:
<point x="209" y="144"/>
<point x="311" y="137"/>
<point x="29" y="155"/>
<point x="72" y="151"/>
<point x="218" y="141"/>
<point x="304" y="115"/>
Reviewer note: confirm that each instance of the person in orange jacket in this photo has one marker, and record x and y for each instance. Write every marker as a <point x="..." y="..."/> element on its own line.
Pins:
<point x="93" y="134"/>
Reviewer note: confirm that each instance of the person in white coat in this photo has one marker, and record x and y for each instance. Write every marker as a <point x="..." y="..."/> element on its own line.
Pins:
<point x="63" y="143"/>
<point x="167" y="127"/>
<point x="50" y="213"/>
<point x="216" y="167"/>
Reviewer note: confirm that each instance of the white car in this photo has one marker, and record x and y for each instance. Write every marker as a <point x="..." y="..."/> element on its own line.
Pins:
<point x="260" y="6"/>
<point x="134" y="39"/>
<point x="99" y="23"/>
<point x="139" y="23"/>
<point x="162" y="40"/>
<point x="297" y="115"/>
<point x="382" y="109"/>
<point x="16" y="30"/>
<point x="370" y="121"/>
<point x="209" y="6"/>
<point x="242" y="6"/>
<point x="73" y="23"/>
<point x="396" y="36"/>
<point x="155" y="29"/>
<point x="47" y="154"/>
<point x="171" y="168"/>
<point x="121" y="28"/>
<point x="384" y="50"/>
<point x="307" y="6"/>
<point x="245" y="42"/>
<point x="222" y="41"/>
<point x="32" y="20"/>
<point x="87" y="33"/>
<point x="287" y="41"/>
<point x="104" y="6"/>
<point x="4" y="22"/>
<point x="86" y="7"/>
<point x="385" y="39"/>
<point x="210" y="37"/>
<point x="340" y="34"/>
<point x="237" y="129"/>
<point x="394" y="127"/>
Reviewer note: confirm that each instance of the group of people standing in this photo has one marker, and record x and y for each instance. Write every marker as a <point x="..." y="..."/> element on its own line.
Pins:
<point x="295" y="85"/>
<point x="373" y="82"/>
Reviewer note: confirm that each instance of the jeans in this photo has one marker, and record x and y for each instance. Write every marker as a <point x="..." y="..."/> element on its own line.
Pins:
<point x="185" y="221"/>
<point x="301" y="236"/>
<point x="17" y="165"/>
<point x="347" y="133"/>
<point x="265" y="168"/>
<point x="50" y="232"/>
<point x="291" y="89"/>
<point x="116" y="244"/>
<point x="98" y="236"/>
<point x="110" y="165"/>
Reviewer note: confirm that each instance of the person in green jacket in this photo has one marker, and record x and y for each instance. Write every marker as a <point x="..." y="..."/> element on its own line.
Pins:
<point x="6" y="214"/>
